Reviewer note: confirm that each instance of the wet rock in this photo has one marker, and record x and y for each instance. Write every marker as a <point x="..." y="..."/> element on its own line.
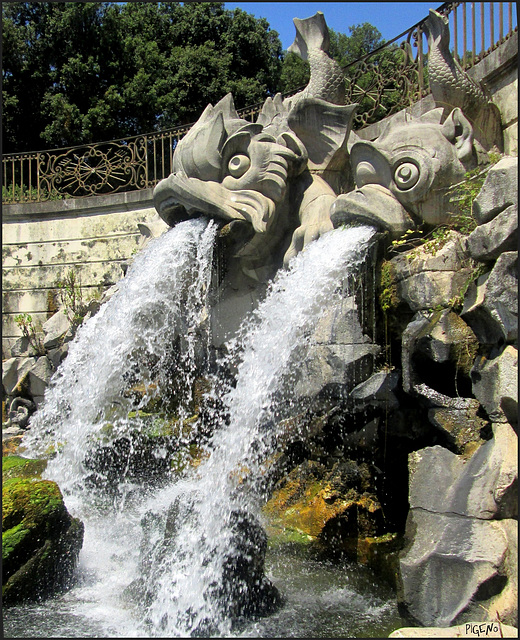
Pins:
<point x="495" y="385"/>
<point x="40" y="540"/>
<point x="381" y="554"/>
<point x="491" y="304"/>
<point x="365" y="438"/>
<point x="242" y="590"/>
<point x="331" y="371"/>
<point x="499" y="235"/>
<point x="377" y="391"/>
<point x="499" y="191"/>
<point x="245" y="590"/>
<point x="339" y="324"/>
<point x="333" y="505"/>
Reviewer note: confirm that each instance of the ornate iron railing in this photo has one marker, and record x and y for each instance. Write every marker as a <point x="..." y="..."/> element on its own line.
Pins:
<point x="385" y="81"/>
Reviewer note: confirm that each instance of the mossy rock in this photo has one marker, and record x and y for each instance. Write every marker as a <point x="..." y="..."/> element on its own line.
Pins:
<point x="18" y="467"/>
<point x="323" y="504"/>
<point x="40" y="540"/>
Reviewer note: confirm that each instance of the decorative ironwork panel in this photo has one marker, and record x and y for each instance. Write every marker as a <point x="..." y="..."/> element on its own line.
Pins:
<point x="107" y="167"/>
<point x="384" y="83"/>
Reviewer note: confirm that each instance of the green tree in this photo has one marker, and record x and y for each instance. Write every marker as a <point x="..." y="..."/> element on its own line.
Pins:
<point x="345" y="49"/>
<point x="90" y="71"/>
<point x="374" y="85"/>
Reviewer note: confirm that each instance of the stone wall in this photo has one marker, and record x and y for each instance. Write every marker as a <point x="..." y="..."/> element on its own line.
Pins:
<point x="43" y="241"/>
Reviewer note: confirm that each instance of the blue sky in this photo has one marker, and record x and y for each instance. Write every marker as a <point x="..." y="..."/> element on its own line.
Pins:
<point x="391" y="18"/>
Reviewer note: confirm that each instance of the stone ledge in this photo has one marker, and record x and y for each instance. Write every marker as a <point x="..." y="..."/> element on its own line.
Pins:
<point x="74" y="207"/>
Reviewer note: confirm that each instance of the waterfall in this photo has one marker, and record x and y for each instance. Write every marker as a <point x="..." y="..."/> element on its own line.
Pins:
<point x="159" y="564"/>
<point x="149" y="322"/>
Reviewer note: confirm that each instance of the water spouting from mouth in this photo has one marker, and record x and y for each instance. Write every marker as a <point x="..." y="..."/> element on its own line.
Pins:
<point x="177" y="553"/>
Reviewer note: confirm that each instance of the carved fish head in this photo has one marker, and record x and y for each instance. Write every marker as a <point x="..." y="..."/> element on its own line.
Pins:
<point x="403" y="176"/>
<point x="231" y="169"/>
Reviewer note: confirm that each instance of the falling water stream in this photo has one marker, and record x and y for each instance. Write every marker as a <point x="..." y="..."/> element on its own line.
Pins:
<point x="154" y="555"/>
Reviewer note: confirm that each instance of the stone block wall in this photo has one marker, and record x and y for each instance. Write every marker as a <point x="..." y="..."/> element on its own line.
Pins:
<point x="43" y="241"/>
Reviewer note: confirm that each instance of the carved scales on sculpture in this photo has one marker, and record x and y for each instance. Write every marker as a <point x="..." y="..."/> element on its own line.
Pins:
<point x="299" y="170"/>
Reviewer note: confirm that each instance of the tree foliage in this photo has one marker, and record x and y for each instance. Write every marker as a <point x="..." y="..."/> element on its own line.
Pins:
<point x="89" y="71"/>
<point x="78" y="72"/>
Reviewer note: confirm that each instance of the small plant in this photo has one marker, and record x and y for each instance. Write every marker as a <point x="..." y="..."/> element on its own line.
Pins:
<point x="16" y="193"/>
<point x="71" y="297"/>
<point x="29" y="331"/>
<point x="464" y="193"/>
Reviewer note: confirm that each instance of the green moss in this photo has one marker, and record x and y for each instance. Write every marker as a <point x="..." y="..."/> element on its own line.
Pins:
<point x="18" y="467"/>
<point x="31" y="501"/>
<point x="279" y="535"/>
<point x="388" y="294"/>
<point x="12" y="539"/>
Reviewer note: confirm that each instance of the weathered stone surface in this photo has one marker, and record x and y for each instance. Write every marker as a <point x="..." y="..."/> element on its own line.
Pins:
<point x="14" y="371"/>
<point x="433" y="279"/>
<point x="377" y="391"/>
<point x="491" y="239"/>
<point x="427" y="290"/>
<point x="500" y="190"/>
<point x="454" y="565"/>
<point x="58" y="355"/>
<point x="55" y="329"/>
<point x="451" y="256"/>
<point x="447" y="340"/>
<point x="413" y="331"/>
<point x="491" y="304"/>
<point x="439" y="348"/>
<point x="334" y="369"/>
<point x="462" y="427"/>
<point x="39" y="376"/>
<point x="484" y="487"/>
<point x="22" y="347"/>
<point x="339" y="324"/>
<point x="461" y="533"/>
<point x="495" y="385"/>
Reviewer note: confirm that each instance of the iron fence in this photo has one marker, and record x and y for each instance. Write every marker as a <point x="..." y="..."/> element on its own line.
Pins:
<point x="388" y="79"/>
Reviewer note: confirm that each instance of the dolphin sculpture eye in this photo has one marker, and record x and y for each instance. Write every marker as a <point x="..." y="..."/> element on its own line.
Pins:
<point x="406" y="175"/>
<point x="238" y="165"/>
